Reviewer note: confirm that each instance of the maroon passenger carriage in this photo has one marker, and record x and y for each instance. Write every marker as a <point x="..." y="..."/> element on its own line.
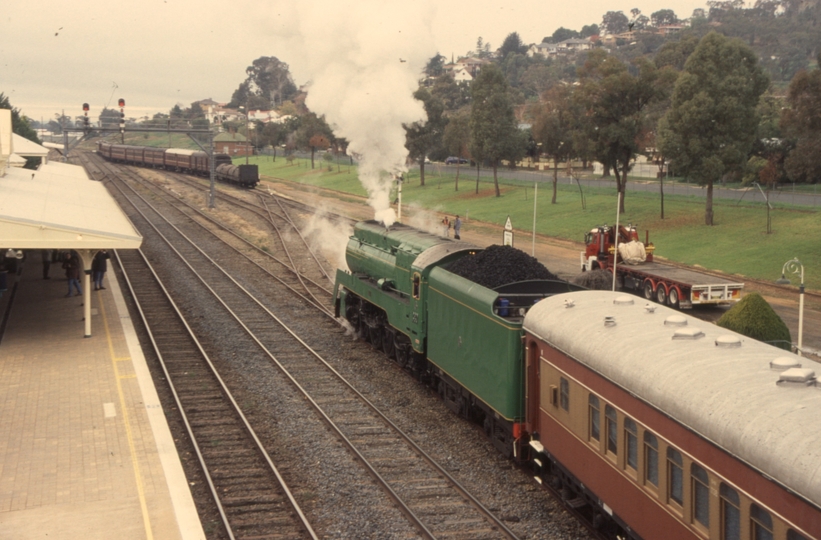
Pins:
<point x="666" y="426"/>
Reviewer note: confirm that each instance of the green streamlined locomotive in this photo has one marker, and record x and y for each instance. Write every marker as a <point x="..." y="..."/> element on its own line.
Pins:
<point x="459" y="337"/>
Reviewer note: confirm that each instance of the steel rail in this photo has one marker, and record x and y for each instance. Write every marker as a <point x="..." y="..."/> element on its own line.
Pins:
<point x="226" y="392"/>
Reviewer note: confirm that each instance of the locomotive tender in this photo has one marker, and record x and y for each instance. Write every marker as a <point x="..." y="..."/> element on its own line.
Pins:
<point x="652" y="423"/>
<point x="182" y="160"/>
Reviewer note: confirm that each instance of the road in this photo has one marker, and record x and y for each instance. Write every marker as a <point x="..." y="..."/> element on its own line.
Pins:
<point x="786" y="195"/>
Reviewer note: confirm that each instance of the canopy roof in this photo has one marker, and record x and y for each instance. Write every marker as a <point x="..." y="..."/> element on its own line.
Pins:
<point x="58" y="207"/>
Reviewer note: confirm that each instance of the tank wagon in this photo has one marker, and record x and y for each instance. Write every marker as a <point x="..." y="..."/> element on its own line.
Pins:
<point x="181" y="160"/>
<point x="661" y="425"/>
<point x="462" y="339"/>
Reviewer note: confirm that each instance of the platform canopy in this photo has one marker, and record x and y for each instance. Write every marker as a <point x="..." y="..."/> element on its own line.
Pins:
<point x="59" y="207"/>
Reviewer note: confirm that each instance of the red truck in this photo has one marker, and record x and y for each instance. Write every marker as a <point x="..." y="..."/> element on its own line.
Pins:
<point x="679" y="288"/>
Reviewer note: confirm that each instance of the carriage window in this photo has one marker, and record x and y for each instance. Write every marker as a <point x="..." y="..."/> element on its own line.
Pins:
<point x="701" y="495"/>
<point x="565" y="394"/>
<point x="675" y="486"/>
<point x="417" y="279"/>
<point x="631" y="444"/>
<point x="651" y="459"/>
<point x="792" y="535"/>
<point x="761" y="524"/>
<point x="593" y="405"/>
<point x="730" y="513"/>
<point x="612" y="425"/>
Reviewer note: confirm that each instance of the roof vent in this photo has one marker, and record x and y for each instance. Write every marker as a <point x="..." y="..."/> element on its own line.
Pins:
<point x="675" y="320"/>
<point x="797" y="377"/>
<point x="783" y="363"/>
<point x="688" y="333"/>
<point x="610" y="321"/>
<point x="728" y="342"/>
<point x="623" y="300"/>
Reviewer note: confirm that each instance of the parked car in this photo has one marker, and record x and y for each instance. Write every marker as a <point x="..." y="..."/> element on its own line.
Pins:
<point x="454" y="159"/>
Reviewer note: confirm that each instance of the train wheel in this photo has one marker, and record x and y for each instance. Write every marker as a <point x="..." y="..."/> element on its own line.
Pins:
<point x="661" y="294"/>
<point x="672" y="298"/>
<point x="376" y="334"/>
<point x="648" y="290"/>
<point x="388" y="343"/>
<point x="402" y="355"/>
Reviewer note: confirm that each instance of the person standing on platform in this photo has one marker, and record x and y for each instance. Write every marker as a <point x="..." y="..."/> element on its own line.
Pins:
<point x="457" y="228"/>
<point x="98" y="269"/>
<point x="46" y="257"/>
<point x="72" y="267"/>
<point x="446" y="227"/>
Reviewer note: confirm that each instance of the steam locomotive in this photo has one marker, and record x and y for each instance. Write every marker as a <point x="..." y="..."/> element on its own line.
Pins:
<point x="651" y="423"/>
<point x="181" y="160"/>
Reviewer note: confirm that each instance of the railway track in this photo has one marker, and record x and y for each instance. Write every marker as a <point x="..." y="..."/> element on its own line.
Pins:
<point x="431" y="500"/>
<point x="252" y="498"/>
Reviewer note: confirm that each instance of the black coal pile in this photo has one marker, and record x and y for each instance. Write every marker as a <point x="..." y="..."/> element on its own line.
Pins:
<point x="597" y="280"/>
<point x="500" y="265"/>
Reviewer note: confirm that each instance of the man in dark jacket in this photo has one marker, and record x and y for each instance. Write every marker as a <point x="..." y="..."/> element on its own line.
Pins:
<point x="72" y="268"/>
<point x="98" y="269"/>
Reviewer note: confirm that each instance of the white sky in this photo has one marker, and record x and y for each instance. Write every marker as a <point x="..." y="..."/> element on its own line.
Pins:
<point x="56" y="54"/>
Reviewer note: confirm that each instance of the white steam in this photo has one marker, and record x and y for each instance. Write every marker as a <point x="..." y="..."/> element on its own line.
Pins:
<point x="362" y="62"/>
<point x="328" y="238"/>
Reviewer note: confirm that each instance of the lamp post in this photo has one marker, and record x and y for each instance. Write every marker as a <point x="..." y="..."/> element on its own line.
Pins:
<point x="794" y="266"/>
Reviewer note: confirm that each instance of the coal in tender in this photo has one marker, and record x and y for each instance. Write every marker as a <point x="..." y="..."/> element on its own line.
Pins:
<point x="500" y="265"/>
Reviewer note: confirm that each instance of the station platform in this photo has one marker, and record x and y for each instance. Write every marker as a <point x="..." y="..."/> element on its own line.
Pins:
<point x="85" y="451"/>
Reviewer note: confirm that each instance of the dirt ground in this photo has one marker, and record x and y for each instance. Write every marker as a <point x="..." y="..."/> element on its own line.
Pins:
<point x="562" y="258"/>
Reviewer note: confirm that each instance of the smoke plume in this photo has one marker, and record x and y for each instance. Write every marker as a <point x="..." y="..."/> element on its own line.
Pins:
<point x="362" y="62"/>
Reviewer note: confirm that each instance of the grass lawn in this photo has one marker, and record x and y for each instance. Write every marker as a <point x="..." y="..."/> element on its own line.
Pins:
<point x="738" y="243"/>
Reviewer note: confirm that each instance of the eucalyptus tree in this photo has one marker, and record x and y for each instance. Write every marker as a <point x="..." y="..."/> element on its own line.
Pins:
<point x="711" y="125"/>
<point x="495" y="135"/>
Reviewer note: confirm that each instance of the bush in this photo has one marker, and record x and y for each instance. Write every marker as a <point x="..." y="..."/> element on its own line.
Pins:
<point x="754" y="318"/>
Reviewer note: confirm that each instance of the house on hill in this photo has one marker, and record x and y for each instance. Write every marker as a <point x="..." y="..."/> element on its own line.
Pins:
<point x="233" y="144"/>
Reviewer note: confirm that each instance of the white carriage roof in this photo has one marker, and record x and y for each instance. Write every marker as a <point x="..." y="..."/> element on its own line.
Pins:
<point x="720" y="385"/>
<point x="58" y="207"/>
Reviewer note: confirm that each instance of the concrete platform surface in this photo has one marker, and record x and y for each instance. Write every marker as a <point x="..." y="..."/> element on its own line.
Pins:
<point x="85" y="451"/>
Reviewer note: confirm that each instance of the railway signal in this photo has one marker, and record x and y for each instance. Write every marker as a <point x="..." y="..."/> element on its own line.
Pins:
<point x="121" y="103"/>
<point x="85" y="118"/>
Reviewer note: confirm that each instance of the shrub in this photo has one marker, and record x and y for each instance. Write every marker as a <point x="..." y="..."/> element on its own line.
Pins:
<point x="754" y="318"/>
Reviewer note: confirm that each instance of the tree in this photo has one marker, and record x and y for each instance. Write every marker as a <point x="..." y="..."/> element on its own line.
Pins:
<point x="553" y="127"/>
<point x="711" y="124"/>
<point x="614" y="22"/>
<point x="617" y="104"/>
<point x="452" y="94"/>
<point x="422" y="137"/>
<point x="494" y="132"/>
<point x="457" y="138"/>
<point x="267" y="85"/>
<point x="313" y="132"/>
<point x="512" y="45"/>
<point x="435" y="66"/>
<point x="109" y="118"/>
<point x="589" y="30"/>
<point x="801" y="122"/>
<point x="21" y="126"/>
<point x="676" y="53"/>
<point x="663" y="17"/>
<point x="755" y="318"/>
<point x="562" y="34"/>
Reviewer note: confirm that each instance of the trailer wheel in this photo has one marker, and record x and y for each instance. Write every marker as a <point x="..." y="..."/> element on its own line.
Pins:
<point x="672" y="298"/>
<point x="661" y="294"/>
<point x="648" y="290"/>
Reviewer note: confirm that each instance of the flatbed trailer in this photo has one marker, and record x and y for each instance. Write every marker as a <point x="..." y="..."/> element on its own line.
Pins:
<point x="678" y="287"/>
